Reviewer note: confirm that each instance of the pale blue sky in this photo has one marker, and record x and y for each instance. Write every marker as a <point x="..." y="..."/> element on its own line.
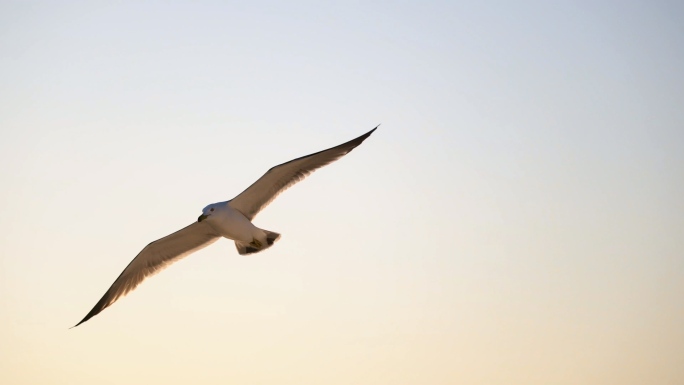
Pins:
<point x="517" y="218"/>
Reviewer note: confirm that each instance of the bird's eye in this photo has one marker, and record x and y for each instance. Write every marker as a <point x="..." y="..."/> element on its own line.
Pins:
<point x="211" y="209"/>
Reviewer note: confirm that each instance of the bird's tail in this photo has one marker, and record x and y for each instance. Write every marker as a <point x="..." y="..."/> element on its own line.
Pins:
<point x="255" y="246"/>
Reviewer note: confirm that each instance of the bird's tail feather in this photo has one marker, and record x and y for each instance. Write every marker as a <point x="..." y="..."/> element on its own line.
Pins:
<point x="255" y="247"/>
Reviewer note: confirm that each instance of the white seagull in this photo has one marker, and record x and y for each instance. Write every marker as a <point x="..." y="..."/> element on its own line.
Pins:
<point x="231" y="219"/>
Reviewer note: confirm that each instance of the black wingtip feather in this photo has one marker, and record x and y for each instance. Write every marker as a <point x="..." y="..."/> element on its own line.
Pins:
<point x="354" y="142"/>
<point x="95" y="311"/>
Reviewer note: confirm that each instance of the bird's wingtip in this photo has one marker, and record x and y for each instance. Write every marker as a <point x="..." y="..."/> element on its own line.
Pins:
<point x="87" y="317"/>
<point x="82" y="321"/>
<point x="367" y="134"/>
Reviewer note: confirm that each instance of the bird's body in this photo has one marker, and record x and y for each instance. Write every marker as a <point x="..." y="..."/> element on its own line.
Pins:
<point x="232" y="224"/>
<point x="230" y="219"/>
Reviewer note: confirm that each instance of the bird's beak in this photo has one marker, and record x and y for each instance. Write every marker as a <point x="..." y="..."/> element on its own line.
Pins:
<point x="202" y="217"/>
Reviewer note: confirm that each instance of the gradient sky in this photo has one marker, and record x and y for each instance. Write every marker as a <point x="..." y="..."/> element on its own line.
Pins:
<point x="517" y="219"/>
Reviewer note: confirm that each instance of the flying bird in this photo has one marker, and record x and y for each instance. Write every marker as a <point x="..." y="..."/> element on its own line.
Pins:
<point x="230" y="219"/>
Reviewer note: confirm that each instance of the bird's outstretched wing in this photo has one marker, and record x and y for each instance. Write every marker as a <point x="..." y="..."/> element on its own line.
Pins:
<point x="153" y="258"/>
<point x="279" y="178"/>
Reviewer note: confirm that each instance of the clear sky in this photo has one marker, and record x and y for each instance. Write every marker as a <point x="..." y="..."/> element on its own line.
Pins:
<point x="516" y="219"/>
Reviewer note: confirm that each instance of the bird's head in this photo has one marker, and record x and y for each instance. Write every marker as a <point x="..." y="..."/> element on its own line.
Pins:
<point x="207" y="211"/>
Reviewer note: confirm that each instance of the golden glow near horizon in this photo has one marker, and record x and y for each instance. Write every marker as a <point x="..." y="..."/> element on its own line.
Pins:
<point x="516" y="219"/>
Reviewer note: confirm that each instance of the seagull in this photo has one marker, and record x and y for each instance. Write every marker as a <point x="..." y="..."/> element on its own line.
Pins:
<point x="230" y="219"/>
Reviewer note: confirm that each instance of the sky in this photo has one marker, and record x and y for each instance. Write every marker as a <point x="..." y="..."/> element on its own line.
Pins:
<point x="516" y="219"/>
